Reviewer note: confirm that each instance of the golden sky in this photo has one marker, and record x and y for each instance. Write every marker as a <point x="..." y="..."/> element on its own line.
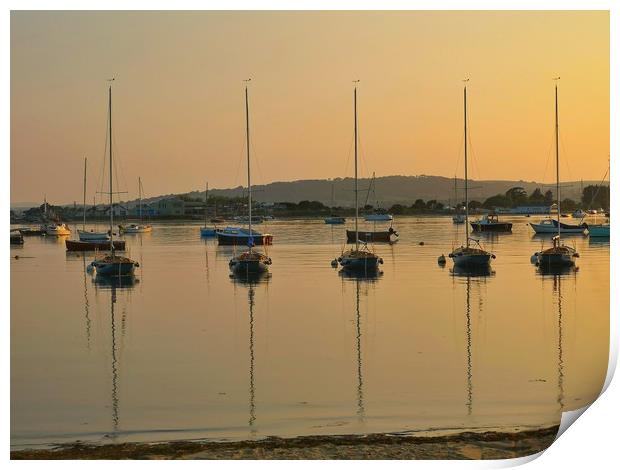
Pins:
<point x="178" y="96"/>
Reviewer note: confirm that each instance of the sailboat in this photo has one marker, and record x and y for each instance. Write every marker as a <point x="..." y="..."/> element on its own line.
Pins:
<point x="91" y="240"/>
<point x="207" y="231"/>
<point x="137" y="228"/>
<point x="469" y="256"/>
<point x="112" y="264"/>
<point x="458" y="217"/>
<point x="251" y="261"/>
<point x="558" y="255"/>
<point x="334" y="219"/>
<point x="379" y="215"/>
<point x="361" y="258"/>
<point x="600" y="230"/>
<point x="91" y="235"/>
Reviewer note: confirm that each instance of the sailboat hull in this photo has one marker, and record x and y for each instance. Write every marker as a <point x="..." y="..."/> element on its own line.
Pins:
<point x="93" y="245"/>
<point x="115" y="267"/>
<point x="599" y="230"/>
<point x="93" y="236"/>
<point x="250" y="262"/>
<point x="135" y="228"/>
<point x="385" y="236"/>
<point x="360" y="261"/>
<point x="378" y="217"/>
<point x="207" y="232"/>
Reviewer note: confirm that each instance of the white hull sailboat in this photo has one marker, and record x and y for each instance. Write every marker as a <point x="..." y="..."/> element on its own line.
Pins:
<point x="89" y="235"/>
<point x="249" y="262"/>
<point x="57" y="230"/>
<point x="467" y="256"/>
<point x="558" y="255"/>
<point x="359" y="259"/>
<point x="137" y="228"/>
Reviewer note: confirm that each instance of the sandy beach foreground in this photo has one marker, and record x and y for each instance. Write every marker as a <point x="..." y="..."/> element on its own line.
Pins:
<point x="468" y="445"/>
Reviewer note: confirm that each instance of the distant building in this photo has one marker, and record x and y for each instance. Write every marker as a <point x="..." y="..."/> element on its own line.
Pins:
<point x="535" y="209"/>
<point x="193" y="208"/>
<point x="147" y="210"/>
<point x="172" y="206"/>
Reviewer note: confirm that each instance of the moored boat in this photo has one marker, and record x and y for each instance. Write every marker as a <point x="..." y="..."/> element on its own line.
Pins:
<point x="551" y="226"/>
<point x="490" y="223"/>
<point x="111" y="264"/>
<point x="467" y="256"/>
<point x="383" y="236"/>
<point x="458" y="218"/>
<point x="31" y="232"/>
<point x="241" y="237"/>
<point x="358" y="259"/>
<point x="249" y="262"/>
<point x="135" y="228"/>
<point x="85" y="235"/>
<point x="57" y="229"/>
<point x="558" y="255"/>
<point x="598" y="230"/>
<point x="207" y="232"/>
<point x="94" y="245"/>
<point x="141" y="227"/>
<point x="334" y="220"/>
<point x="378" y="217"/>
<point x="16" y="237"/>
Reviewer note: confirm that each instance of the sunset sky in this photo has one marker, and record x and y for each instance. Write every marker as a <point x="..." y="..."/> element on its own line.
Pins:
<point x="178" y="96"/>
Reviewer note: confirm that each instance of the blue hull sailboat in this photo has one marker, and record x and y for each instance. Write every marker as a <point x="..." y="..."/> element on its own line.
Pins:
<point x="251" y="261"/>
<point x="468" y="256"/>
<point x="358" y="259"/>
<point x="558" y="255"/>
<point x="112" y="264"/>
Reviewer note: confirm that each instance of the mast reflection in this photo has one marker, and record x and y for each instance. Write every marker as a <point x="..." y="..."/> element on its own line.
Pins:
<point x="251" y="281"/>
<point x="361" y="280"/>
<point x="86" y="304"/>
<point x="113" y="284"/>
<point x="557" y="290"/>
<point x="470" y="277"/>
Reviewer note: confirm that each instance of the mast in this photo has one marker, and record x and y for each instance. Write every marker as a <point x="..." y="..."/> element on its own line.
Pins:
<point x="84" y="221"/>
<point x="357" y="235"/>
<point x="111" y="208"/>
<point x="466" y="194"/>
<point x="247" y="143"/>
<point x="140" y="199"/>
<point x="206" y="192"/>
<point x="557" y="153"/>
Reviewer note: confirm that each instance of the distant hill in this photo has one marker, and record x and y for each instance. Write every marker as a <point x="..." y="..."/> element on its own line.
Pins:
<point x="388" y="190"/>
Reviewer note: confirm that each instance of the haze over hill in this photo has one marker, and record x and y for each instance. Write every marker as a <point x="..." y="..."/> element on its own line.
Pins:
<point x="388" y="190"/>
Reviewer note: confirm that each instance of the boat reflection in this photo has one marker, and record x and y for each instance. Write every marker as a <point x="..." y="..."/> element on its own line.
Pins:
<point x="556" y="270"/>
<point x="474" y="271"/>
<point x="368" y="276"/>
<point x="115" y="282"/>
<point x="598" y="242"/>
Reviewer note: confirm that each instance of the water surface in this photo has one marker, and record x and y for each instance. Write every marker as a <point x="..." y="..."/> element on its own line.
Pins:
<point x="187" y="352"/>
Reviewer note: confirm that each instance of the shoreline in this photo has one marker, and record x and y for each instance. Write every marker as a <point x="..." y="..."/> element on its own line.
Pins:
<point x="464" y="445"/>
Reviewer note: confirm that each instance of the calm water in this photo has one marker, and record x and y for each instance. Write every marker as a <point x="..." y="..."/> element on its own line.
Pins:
<point x="187" y="352"/>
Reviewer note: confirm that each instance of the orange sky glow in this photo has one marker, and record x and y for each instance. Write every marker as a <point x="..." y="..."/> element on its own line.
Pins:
<point x="178" y="96"/>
